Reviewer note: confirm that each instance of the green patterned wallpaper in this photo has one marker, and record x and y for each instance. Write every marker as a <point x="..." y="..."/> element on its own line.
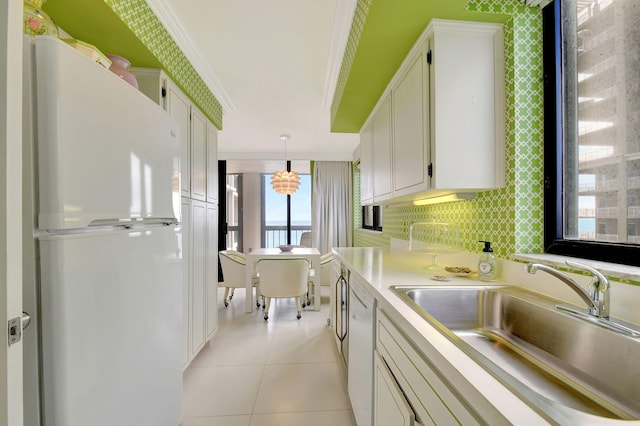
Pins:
<point x="514" y="224"/>
<point x="137" y="15"/>
<point x="359" y="18"/>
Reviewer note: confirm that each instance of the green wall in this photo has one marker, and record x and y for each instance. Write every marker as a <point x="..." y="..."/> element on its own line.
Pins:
<point x="510" y="217"/>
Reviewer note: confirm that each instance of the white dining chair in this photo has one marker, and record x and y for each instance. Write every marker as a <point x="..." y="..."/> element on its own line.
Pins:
<point x="233" y="271"/>
<point x="305" y="239"/>
<point x="283" y="278"/>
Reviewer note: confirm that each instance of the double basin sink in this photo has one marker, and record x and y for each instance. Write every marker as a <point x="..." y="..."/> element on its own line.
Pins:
<point x="584" y="365"/>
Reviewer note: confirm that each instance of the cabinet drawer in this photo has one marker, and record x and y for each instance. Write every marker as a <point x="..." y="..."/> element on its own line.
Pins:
<point x="428" y="393"/>
<point x="390" y="406"/>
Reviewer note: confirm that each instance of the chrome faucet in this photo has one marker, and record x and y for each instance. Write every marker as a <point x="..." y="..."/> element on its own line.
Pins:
<point x="597" y="294"/>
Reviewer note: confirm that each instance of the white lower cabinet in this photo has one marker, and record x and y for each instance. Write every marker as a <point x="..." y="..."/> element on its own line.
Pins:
<point x="186" y="278"/>
<point x="200" y="275"/>
<point x="433" y="398"/>
<point x="390" y="408"/>
<point x="211" y="307"/>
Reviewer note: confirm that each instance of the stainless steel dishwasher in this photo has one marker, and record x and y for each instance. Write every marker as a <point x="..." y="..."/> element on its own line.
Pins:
<point x="361" y="338"/>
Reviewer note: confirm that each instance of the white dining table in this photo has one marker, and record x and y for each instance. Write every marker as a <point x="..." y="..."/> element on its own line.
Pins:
<point x="311" y="254"/>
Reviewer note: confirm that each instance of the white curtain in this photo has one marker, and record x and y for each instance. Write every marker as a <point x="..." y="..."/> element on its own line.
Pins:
<point x="332" y="206"/>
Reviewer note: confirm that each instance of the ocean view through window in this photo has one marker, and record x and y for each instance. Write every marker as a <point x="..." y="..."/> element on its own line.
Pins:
<point x="274" y="213"/>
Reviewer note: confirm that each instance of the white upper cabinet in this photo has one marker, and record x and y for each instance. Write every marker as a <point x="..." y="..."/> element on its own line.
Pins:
<point x="366" y="165"/>
<point x="376" y="156"/>
<point x="410" y="128"/>
<point x="198" y="136"/>
<point x="467" y="105"/>
<point x="447" y="114"/>
<point x="381" y="135"/>
<point x="179" y="107"/>
<point x="212" y="163"/>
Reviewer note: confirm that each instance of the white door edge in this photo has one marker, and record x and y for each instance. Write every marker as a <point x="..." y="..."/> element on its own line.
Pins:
<point x="11" y="412"/>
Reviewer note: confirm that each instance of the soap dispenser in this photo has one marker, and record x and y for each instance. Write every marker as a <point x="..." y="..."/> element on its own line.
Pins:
<point x="487" y="263"/>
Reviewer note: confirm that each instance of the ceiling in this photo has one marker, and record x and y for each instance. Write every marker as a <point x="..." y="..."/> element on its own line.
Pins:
<point x="270" y="63"/>
<point x="273" y="66"/>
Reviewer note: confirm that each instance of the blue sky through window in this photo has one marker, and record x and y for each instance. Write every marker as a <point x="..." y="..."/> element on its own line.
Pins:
<point x="276" y="204"/>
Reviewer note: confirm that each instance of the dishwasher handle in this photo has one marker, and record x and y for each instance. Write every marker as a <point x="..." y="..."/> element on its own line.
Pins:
<point x="341" y="284"/>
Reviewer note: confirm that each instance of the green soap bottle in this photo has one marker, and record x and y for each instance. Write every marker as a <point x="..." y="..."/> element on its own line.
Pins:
<point x="487" y="263"/>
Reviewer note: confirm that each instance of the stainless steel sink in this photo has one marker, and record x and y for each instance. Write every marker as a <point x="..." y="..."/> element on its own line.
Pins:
<point x="523" y="338"/>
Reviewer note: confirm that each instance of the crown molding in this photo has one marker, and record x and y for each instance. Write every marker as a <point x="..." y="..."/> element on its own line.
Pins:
<point x="340" y="29"/>
<point x="170" y="19"/>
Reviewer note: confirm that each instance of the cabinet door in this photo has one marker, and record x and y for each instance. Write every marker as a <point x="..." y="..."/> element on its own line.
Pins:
<point x="390" y="408"/>
<point x="198" y="277"/>
<point x="198" y="155"/>
<point x="180" y="109"/>
<point x="382" y="152"/>
<point x="366" y="165"/>
<point x="212" y="270"/>
<point x="212" y="163"/>
<point x="153" y="83"/>
<point x="410" y="118"/>
<point x="186" y="280"/>
<point x="467" y="106"/>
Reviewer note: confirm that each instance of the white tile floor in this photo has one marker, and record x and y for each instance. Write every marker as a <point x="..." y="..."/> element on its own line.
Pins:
<point x="283" y="372"/>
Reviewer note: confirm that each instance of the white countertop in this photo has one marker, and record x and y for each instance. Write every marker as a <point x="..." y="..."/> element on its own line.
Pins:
<point x="382" y="268"/>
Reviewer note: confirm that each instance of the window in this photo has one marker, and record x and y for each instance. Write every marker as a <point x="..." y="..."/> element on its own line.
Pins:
<point x="592" y="129"/>
<point x="234" y="212"/>
<point x="274" y="213"/>
<point x="372" y="218"/>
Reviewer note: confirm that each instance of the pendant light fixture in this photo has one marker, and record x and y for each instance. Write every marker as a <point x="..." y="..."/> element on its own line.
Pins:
<point x="285" y="182"/>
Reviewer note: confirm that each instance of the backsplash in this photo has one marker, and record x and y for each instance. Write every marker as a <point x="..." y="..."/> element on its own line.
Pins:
<point x="513" y="223"/>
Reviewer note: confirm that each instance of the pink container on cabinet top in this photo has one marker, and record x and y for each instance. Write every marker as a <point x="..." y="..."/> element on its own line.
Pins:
<point x="120" y="67"/>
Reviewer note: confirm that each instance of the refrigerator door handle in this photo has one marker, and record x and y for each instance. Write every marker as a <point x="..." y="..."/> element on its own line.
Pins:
<point x="131" y="222"/>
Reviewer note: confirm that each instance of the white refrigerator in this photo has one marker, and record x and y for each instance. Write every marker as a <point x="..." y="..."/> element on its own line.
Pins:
<point x="102" y="245"/>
